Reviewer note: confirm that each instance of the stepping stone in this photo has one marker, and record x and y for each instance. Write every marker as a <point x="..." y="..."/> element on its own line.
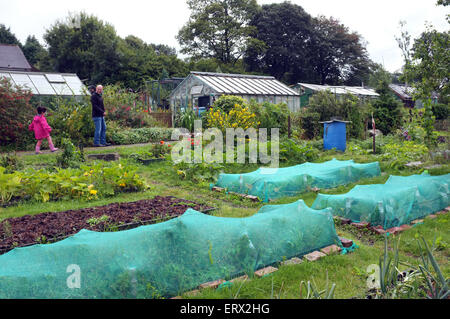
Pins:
<point x="442" y="212"/>
<point x="241" y="278"/>
<point x="431" y="216"/>
<point x="292" y="261"/>
<point x="361" y="224"/>
<point x="346" y="242"/>
<point x="104" y="157"/>
<point x="315" y="255"/>
<point x="417" y="221"/>
<point x="265" y="271"/>
<point x="212" y="284"/>
<point x="447" y="209"/>
<point x="330" y="250"/>
<point x="218" y="189"/>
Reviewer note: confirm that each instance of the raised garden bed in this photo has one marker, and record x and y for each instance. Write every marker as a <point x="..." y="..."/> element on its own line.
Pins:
<point x="53" y="226"/>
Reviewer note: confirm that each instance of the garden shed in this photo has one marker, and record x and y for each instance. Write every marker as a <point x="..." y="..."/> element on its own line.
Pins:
<point x="203" y="88"/>
<point x="306" y="90"/>
<point x="405" y="94"/>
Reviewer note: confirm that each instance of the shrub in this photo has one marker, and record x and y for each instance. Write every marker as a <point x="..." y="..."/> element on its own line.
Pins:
<point x="126" y="108"/>
<point x="227" y="102"/>
<point x="398" y="154"/>
<point x="271" y="115"/>
<point x="138" y="135"/>
<point x="73" y="120"/>
<point x="441" y="111"/>
<point x="16" y="113"/>
<point x="240" y="116"/>
<point x="70" y="156"/>
<point x="10" y="162"/>
<point x="310" y="123"/>
<point x="293" y="152"/>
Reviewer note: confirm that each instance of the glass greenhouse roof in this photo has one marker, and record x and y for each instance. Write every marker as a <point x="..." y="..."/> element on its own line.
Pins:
<point x="41" y="83"/>
<point x="244" y="84"/>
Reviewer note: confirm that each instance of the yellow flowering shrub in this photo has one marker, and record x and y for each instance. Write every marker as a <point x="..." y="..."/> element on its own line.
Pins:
<point x="239" y="116"/>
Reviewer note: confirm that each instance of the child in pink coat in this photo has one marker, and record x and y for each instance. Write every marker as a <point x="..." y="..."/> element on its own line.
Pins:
<point x="41" y="130"/>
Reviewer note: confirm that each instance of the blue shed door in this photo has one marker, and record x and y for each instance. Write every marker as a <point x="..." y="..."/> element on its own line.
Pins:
<point x="334" y="136"/>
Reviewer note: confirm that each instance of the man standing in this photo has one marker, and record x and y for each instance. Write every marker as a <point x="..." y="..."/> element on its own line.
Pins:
<point x="98" y="116"/>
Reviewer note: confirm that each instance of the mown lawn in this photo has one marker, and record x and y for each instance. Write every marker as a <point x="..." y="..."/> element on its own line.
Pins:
<point x="348" y="272"/>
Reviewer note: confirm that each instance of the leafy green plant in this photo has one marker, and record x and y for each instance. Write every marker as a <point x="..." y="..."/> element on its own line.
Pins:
<point x="398" y="154"/>
<point x="71" y="156"/>
<point x="201" y="172"/>
<point x="313" y="292"/>
<point x="388" y="267"/>
<point x="186" y="119"/>
<point x="291" y="151"/>
<point x="438" y="285"/>
<point x="11" y="162"/>
<point x="10" y="185"/>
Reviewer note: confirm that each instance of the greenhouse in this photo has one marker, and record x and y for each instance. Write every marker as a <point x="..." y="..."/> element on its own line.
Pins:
<point x="165" y="258"/>
<point x="201" y="89"/>
<point x="399" y="201"/>
<point x="47" y="84"/>
<point x="269" y="183"/>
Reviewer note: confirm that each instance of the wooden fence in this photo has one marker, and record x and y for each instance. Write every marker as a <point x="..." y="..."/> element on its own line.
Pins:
<point x="163" y="117"/>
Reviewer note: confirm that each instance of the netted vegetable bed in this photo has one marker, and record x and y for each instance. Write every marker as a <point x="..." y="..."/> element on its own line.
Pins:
<point x="272" y="183"/>
<point x="399" y="201"/>
<point x="166" y="258"/>
<point x="50" y="227"/>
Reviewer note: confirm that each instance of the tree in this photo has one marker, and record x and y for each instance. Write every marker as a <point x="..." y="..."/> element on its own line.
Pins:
<point x="337" y="55"/>
<point x="36" y="54"/>
<point x="387" y="110"/>
<point x="430" y="63"/>
<point x="7" y="37"/>
<point x="87" y="48"/>
<point x="217" y="29"/>
<point x="279" y="45"/>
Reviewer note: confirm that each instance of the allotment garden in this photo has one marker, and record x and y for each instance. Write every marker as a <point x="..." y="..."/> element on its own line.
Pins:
<point x="370" y="222"/>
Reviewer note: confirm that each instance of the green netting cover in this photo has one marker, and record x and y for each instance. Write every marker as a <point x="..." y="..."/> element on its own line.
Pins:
<point x="270" y="183"/>
<point x="167" y="258"/>
<point x="399" y="201"/>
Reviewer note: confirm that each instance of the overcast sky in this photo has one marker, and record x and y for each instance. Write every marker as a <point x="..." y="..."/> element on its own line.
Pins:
<point x="158" y="21"/>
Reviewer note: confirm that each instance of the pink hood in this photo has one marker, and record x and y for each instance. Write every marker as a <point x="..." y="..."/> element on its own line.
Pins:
<point x="40" y="127"/>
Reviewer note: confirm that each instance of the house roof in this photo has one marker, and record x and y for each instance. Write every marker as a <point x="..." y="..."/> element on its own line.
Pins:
<point x="355" y="90"/>
<point x="12" y="58"/>
<point x="243" y="84"/>
<point x="406" y="92"/>
<point x="44" y="83"/>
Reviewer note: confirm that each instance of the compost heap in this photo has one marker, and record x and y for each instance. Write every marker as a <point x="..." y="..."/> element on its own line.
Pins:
<point x="272" y="183"/>
<point x="399" y="201"/>
<point x="164" y="259"/>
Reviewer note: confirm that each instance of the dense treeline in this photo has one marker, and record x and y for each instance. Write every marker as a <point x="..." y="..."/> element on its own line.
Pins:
<point x="221" y="36"/>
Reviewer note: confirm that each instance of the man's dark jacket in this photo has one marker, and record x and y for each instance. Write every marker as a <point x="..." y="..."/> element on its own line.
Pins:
<point x="98" y="109"/>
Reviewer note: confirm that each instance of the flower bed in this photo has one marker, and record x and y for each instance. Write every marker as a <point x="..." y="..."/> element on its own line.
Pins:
<point x="50" y="227"/>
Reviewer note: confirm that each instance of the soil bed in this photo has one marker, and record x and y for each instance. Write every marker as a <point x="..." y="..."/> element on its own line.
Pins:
<point x="53" y="226"/>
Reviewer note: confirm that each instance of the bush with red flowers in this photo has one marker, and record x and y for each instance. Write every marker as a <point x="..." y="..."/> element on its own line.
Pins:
<point x="16" y="113"/>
